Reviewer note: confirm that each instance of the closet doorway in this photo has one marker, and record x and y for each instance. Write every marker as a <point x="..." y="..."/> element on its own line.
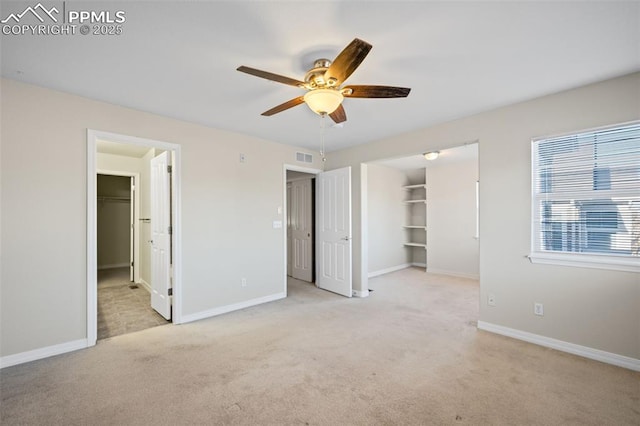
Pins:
<point x="123" y="303"/>
<point x="115" y="219"/>
<point x="300" y="216"/>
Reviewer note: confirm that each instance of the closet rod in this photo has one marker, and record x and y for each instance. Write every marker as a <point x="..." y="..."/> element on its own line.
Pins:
<point x="114" y="199"/>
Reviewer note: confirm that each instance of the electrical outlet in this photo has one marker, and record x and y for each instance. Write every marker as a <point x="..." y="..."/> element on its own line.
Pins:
<point x="538" y="309"/>
<point x="244" y="282"/>
<point x="491" y="299"/>
<point x="242" y="158"/>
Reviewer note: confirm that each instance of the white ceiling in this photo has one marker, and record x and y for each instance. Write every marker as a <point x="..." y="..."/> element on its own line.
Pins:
<point x="458" y="154"/>
<point x="127" y="150"/>
<point x="179" y="59"/>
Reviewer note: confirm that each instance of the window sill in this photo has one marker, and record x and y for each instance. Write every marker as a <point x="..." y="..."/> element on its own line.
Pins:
<point x="595" y="261"/>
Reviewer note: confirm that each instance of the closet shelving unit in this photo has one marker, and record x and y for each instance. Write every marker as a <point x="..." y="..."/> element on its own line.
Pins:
<point x="416" y="226"/>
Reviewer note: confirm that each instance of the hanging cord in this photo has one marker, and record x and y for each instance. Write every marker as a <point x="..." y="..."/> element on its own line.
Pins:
<point x="322" y="135"/>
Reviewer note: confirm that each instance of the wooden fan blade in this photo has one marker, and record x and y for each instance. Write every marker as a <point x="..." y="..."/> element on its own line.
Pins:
<point x="376" y="92"/>
<point x="339" y="115"/>
<point x="282" y="107"/>
<point x="271" y="76"/>
<point x="347" y="61"/>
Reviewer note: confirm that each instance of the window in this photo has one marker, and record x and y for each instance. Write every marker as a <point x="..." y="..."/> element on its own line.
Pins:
<point x="586" y="199"/>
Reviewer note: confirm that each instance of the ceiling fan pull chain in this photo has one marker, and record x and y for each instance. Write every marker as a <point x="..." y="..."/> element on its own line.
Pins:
<point x="323" y="116"/>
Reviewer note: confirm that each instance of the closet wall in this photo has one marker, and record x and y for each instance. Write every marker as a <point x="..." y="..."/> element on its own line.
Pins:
<point x="452" y="246"/>
<point x="387" y="213"/>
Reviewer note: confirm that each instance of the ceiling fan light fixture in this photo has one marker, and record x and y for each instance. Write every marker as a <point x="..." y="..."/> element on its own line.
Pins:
<point x="431" y="155"/>
<point x="323" y="101"/>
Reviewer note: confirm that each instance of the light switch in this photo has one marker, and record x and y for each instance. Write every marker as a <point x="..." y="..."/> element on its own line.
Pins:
<point x="277" y="224"/>
<point x="280" y="210"/>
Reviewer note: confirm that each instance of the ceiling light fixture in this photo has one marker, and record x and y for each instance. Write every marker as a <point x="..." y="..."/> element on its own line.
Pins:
<point x="431" y="155"/>
<point x="323" y="101"/>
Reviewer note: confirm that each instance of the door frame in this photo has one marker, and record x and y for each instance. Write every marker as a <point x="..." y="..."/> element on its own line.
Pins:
<point x="92" y="278"/>
<point x="136" y="216"/>
<point x="293" y="168"/>
<point x="310" y="202"/>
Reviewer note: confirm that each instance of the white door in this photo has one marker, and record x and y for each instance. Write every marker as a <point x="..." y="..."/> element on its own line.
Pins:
<point x="301" y="230"/>
<point x="333" y="221"/>
<point x="132" y="221"/>
<point x="161" y="234"/>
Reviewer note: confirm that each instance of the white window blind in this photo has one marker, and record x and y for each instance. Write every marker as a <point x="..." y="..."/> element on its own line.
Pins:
<point x="586" y="197"/>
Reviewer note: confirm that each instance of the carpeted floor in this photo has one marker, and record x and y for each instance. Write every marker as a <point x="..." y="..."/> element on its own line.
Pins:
<point x="409" y="354"/>
<point x="123" y="307"/>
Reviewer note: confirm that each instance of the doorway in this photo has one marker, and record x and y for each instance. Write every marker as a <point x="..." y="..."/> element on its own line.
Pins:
<point x="154" y="265"/>
<point x="320" y="251"/>
<point x="424" y="213"/>
<point x="300" y="222"/>
<point x="299" y="214"/>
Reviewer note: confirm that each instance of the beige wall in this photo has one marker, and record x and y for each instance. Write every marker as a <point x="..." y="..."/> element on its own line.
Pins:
<point x="145" y="213"/>
<point x="227" y="212"/>
<point x="596" y="308"/>
<point x="451" y="219"/>
<point x="387" y="215"/>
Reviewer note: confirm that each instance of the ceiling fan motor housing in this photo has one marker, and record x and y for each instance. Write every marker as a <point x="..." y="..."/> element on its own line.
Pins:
<point x="315" y="76"/>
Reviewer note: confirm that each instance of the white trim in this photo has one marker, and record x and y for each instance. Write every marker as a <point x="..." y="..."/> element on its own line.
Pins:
<point x="145" y="285"/>
<point x="419" y="265"/>
<point x="388" y="270"/>
<point x="364" y="229"/>
<point x="33" y="355"/>
<point x="358" y="293"/>
<point x="230" y="308"/>
<point x="294" y="168"/>
<point x="572" y="348"/>
<point x="113" y="266"/>
<point x="582" y="260"/>
<point x="92" y="238"/>
<point x="453" y="273"/>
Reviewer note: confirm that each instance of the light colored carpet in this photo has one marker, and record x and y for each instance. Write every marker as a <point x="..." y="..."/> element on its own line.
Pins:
<point x="121" y="308"/>
<point x="410" y="354"/>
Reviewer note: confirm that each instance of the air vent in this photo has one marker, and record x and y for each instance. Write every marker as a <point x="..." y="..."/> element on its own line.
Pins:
<point x="304" y="158"/>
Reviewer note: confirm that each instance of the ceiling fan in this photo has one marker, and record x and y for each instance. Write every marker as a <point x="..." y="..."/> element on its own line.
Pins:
<point x="324" y="83"/>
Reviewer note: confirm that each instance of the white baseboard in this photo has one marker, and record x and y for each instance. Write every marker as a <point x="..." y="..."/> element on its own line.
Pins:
<point x="145" y="284"/>
<point x="419" y="265"/>
<point x="113" y="266"/>
<point x="230" y="308"/>
<point x="358" y="293"/>
<point x="453" y="273"/>
<point x="387" y="270"/>
<point x="28" y="356"/>
<point x="572" y="348"/>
